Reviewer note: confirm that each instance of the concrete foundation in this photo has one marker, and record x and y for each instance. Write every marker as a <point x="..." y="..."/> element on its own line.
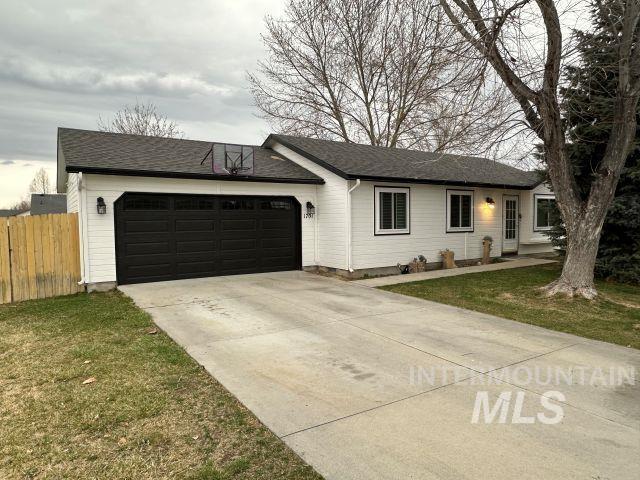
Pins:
<point x="382" y="271"/>
<point x="101" y="286"/>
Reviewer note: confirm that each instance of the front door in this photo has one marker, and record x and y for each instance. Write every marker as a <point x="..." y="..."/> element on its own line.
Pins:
<point x="509" y="224"/>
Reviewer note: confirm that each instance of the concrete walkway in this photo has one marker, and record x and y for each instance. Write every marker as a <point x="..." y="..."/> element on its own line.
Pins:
<point x="415" y="277"/>
<point x="368" y="384"/>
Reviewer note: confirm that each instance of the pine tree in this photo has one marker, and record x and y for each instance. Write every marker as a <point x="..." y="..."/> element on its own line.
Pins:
<point x="588" y="113"/>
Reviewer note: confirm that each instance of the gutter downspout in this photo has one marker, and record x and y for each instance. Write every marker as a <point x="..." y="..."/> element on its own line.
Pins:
<point x="82" y="225"/>
<point x="349" y="233"/>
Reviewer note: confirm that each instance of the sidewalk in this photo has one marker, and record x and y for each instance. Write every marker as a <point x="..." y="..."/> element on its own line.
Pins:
<point x="414" y="277"/>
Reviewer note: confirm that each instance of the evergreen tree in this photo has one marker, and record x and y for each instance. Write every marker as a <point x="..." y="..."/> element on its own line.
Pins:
<point x="588" y="113"/>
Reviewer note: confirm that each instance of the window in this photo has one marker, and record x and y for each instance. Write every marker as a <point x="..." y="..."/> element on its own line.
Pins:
<point x="459" y="211"/>
<point x="240" y="204"/>
<point x="276" y="205"/>
<point x="196" y="203"/>
<point x="544" y="212"/>
<point x="391" y="210"/>
<point x="510" y="219"/>
<point x="146" y="203"/>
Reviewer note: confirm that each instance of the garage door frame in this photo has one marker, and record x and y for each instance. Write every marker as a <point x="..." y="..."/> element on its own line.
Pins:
<point x="120" y="276"/>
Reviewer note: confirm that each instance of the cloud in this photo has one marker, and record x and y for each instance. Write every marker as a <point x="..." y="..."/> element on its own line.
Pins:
<point x="68" y="63"/>
<point x="94" y="80"/>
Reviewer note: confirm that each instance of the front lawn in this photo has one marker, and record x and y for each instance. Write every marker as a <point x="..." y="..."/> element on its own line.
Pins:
<point x="147" y="411"/>
<point x="614" y="317"/>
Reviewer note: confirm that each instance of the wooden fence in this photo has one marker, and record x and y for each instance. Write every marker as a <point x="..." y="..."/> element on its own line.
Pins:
<point x="39" y="257"/>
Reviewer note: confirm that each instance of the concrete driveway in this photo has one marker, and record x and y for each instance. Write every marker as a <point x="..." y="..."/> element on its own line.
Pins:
<point x="367" y="384"/>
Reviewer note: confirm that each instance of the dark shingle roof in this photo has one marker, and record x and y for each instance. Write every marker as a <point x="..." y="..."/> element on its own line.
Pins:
<point x="8" y="213"/>
<point x="351" y="160"/>
<point x="103" y="152"/>
<point x="42" y="204"/>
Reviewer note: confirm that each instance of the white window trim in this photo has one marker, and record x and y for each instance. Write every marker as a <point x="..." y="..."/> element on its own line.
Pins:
<point x="536" y="197"/>
<point x="392" y="231"/>
<point x="451" y="229"/>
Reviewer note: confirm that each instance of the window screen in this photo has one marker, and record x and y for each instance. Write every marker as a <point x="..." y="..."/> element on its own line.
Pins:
<point x="460" y="206"/>
<point x="392" y="210"/>
<point x="545" y="213"/>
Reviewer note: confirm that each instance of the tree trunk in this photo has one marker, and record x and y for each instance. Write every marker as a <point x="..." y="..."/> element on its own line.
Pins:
<point x="579" y="263"/>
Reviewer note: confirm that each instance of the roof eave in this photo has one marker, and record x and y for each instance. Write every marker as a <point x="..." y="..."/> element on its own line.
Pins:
<point x="194" y="176"/>
<point x="454" y="183"/>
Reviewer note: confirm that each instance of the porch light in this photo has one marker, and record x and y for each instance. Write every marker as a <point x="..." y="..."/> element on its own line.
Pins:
<point x="491" y="203"/>
<point x="102" y="207"/>
<point x="310" y="208"/>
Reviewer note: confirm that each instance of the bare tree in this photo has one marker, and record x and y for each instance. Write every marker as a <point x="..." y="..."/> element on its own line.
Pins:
<point x="528" y="62"/>
<point x="40" y="182"/>
<point x="23" y="205"/>
<point x="141" y="119"/>
<point x="374" y="71"/>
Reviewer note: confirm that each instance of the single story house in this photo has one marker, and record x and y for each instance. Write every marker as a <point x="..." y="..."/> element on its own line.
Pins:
<point x="9" y="212"/>
<point x="45" y="203"/>
<point x="153" y="209"/>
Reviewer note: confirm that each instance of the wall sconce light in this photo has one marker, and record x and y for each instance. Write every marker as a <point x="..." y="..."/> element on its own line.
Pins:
<point x="491" y="203"/>
<point x="102" y="207"/>
<point x="310" y="209"/>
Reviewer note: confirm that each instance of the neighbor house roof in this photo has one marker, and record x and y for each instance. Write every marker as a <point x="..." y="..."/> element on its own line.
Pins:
<point x="122" y="154"/>
<point x="43" y="203"/>
<point x="367" y="162"/>
<point x="8" y="213"/>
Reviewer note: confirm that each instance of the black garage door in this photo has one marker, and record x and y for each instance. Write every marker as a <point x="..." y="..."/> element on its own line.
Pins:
<point x="168" y="237"/>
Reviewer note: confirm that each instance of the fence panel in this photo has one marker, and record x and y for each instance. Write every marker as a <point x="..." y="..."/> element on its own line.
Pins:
<point x="5" y="269"/>
<point x="39" y="257"/>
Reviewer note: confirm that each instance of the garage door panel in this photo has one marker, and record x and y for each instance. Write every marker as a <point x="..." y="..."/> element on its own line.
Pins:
<point x="194" y="246"/>
<point x="277" y="242"/>
<point x="242" y="265"/>
<point x="238" y="244"/>
<point x="150" y="259"/>
<point x="277" y="252"/>
<point x="276" y="263"/>
<point x="239" y="255"/>
<point x="232" y="226"/>
<point x="143" y="248"/>
<point x="196" y="267"/>
<point x="167" y="237"/>
<point x="194" y="225"/>
<point x="146" y="226"/>
<point x="278" y="224"/>
<point x="142" y="271"/>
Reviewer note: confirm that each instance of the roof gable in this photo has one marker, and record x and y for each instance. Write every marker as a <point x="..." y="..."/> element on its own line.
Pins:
<point x="123" y="154"/>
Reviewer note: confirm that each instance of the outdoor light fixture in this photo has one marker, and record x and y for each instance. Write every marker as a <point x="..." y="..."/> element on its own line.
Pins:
<point x="102" y="207"/>
<point x="491" y="203"/>
<point x="310" y="209"/>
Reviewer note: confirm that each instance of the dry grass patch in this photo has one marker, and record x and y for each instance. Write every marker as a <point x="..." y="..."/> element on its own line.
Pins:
<point x="515" y="294"/>
<point x="152" y="412"/>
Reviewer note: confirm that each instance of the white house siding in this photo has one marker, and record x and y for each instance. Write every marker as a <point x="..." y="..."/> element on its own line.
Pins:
<point x="100" y="237"/>
<point x="72" y="193"/>
<point x="331" y="212"/>
<point x="428" y="226"/>
<point x="531" y="241"/>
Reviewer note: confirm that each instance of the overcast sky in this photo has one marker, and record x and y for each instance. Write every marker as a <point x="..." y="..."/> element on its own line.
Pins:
<point x="65" y="63"/>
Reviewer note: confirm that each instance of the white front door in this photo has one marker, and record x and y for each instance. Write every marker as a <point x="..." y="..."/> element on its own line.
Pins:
<point x="510" y="223"/>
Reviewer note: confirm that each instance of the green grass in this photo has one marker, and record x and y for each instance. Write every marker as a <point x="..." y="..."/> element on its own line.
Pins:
<point x="614" y="317"/>
<point x="151" y="413"/>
